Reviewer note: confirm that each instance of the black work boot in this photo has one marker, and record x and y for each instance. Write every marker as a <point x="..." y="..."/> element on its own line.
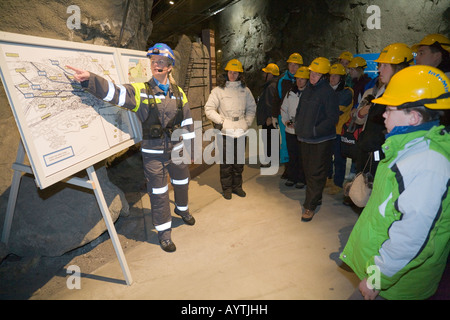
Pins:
<point x="186" y="216"/>
<point x="227" y="194"/>
<point x="165" y="241"/>
<point x="188" y="219"/>
<point x="240" y="192"/>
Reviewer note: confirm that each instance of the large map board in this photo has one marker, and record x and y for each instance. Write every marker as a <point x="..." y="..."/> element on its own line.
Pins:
<point x="63" y="128"/>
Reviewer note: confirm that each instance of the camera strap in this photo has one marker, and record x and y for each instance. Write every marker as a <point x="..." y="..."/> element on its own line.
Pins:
<point x="153" y="122"/>
<point x="153" y="114"/>
<point x="175" y="122"/>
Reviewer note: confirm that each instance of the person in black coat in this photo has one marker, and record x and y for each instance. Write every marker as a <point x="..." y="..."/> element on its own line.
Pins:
<point x="265" y="104"/>
<point x="315" y="126"/>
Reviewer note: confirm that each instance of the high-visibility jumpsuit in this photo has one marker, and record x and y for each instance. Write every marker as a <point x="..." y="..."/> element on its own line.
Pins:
<point x="156" y="152"/>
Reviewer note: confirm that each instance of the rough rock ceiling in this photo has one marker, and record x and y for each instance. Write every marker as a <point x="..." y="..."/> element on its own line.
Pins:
<point x="183" y="16"/>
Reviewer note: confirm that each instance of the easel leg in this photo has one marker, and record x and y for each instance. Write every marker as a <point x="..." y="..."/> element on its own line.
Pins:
<point x="109" y="224"/>
<point x="14" y="190"/>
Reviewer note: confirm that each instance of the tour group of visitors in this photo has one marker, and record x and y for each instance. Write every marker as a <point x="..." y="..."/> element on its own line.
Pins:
<point x="400" y="243"/>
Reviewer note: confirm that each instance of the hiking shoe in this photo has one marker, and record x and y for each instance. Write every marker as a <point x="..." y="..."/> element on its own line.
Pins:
<point x="334" y="189"/>
<point x="227" y="195"/>
<point x="329" y="183"/>
<point x="307" y="215"/>
<point x="239" y="192"/>
<point x="167" y="245"/>
<point x="188" y="219"/>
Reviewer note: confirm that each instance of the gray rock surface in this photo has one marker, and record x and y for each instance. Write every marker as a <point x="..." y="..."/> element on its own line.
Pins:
<point x="60" y="218"/>
<point x="259" y="32"/>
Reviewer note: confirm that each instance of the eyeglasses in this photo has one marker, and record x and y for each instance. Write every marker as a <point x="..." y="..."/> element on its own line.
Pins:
<point x="159" y="62"/>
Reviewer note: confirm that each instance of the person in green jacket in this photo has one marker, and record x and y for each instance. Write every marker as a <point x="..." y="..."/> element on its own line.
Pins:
<point x="400" y="244"/>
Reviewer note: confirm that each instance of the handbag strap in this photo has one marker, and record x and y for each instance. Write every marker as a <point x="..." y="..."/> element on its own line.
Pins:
<point x="369" y="161"/>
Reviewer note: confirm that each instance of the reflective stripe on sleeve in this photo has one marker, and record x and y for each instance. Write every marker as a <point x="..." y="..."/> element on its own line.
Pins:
<point x="122" y="95"/>
<point x="111" y="92"/>
<point x="178" y="147"/>
<point x="187" y="122"/>
<point x="187" y="136"/>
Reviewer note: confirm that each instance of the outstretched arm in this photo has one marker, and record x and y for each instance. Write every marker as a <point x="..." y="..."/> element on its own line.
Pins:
<point x="80" y="75"/>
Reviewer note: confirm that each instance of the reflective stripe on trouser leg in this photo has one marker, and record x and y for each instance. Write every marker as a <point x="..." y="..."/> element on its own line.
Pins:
<point x="157" y="187"/>
<point x="179" y="176"/>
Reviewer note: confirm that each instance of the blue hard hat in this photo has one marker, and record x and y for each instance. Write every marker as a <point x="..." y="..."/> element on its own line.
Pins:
<point x="162" y="49"/>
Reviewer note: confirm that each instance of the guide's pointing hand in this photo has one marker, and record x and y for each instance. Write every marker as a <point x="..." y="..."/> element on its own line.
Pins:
<point x="80" y="75"/>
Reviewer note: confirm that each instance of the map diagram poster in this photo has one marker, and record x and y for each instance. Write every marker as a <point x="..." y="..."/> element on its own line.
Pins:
<point x="65" y="125"/>
<point x="137" y="66"/>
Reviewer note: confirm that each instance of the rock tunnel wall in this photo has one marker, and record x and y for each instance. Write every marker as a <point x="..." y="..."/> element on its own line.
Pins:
<point x="263" y="31"/>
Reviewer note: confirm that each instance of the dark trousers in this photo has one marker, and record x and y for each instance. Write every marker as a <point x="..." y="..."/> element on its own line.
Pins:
<point x="316" y="164"/>
<point x="157" y="169"/>
<point x="267" y="139"/>
<point x="232" y="164"/>
<point x="294" y="168"/>
<point x="339" y="163"/>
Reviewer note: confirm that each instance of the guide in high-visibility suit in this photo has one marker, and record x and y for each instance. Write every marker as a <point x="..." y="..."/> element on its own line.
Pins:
<point x="162" y="107"/>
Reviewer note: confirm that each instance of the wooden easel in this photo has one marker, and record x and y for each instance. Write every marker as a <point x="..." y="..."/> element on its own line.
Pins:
<point x="92" y="184"/>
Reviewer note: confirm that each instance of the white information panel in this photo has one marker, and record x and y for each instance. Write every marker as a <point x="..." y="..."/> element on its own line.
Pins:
<point x="63" y="128"/>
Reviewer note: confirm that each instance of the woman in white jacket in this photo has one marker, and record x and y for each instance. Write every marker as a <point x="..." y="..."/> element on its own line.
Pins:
<point x="232" y="108"/>
<point x="294" y="170"/>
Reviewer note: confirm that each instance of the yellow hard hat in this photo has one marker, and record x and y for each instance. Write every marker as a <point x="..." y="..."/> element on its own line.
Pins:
<point x="357" y="62"/>
<point x="320" y="65"/>
<point x="396" y="53"/>
<point x="347" y="55"/>
<point x="338" y="69"/>
<point x="295" y="58"/>
<point x="272" y="68"/>
<point x="431" y="39"/>
<point x="419" y="85"/>
<point x="302" y="72"/>
<point x="234" y="65"/>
